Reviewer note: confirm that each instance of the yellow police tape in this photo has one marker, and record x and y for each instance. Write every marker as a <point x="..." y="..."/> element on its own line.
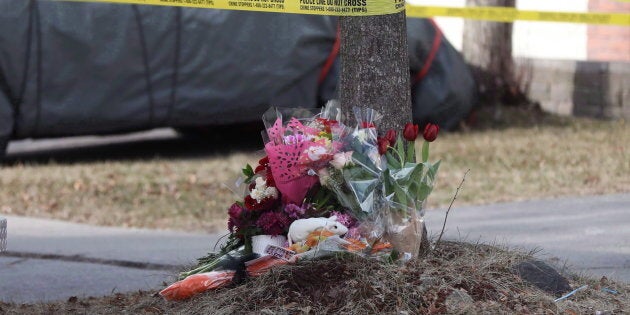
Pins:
<point x="382" y="7"/>
<point x="500" y="14"/>
<point x="319" y="7"/>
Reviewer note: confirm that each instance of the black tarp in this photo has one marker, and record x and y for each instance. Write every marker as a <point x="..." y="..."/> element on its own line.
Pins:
<point x="70" y="68"/>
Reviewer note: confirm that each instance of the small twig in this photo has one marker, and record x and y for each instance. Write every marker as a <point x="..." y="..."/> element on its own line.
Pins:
<point x="449" y="209"/>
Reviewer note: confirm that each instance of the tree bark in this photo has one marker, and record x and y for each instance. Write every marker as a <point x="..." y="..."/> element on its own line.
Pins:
<point x="375" y="67"/>
<point x="375" y="72"/>
<point x="487" y="47"/>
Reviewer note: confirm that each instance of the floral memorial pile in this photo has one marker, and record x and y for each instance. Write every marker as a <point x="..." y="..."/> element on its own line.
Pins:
<point x="322" y="188"/>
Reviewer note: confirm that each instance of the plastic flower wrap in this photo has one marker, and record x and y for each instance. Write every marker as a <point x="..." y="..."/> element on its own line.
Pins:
<point x="407" y="183"/>
<point x="297" y="150"/>
<point x="354" y="172"/>
<point x="324" y="187"/>
<point x="354" y="175"/>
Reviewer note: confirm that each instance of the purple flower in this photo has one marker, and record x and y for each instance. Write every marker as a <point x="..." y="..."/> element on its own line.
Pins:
<point x="273" y="223"/>
<point x="294" y="211"/>
<point x="353" y="233"/>
<point x="343" y="218"/>
<point x="235" y="213"/>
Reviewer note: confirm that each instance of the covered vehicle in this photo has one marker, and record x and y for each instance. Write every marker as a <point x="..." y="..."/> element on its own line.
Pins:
<point x="71" y="68"/>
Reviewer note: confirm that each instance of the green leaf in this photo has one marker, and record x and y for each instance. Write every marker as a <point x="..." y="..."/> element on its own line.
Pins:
<point x="392" y="186"/>
<point x="424" y="191"/>
<point x="392" y="162"/>
<point x="416" y="175"/>
<point x="433" y="169"/>
<point x="403" y="174"/>
<point x="389" y="188"/>
<point x="248" y="171"/>
<point x="415" y="178"/>
<point x="400" y="195"/>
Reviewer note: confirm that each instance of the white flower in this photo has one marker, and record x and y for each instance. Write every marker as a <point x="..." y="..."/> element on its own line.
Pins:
<point x="257" y="194"/>
<point x="261" y="191"/>
<point x="271" y="192"/>
<point x="324" y="176"/>
<point x="341" y="160"/>
<point x="364" y="136"/>
<point x="361" y="135"/>
<point x="315" y="153"/>
<point x="261" y="183"/>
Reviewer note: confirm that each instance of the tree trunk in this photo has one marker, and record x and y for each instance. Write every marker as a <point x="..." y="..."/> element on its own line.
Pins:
<point x="375" y="67"/>
<point x="375" y="72"/>
<point x="487" y="47"/>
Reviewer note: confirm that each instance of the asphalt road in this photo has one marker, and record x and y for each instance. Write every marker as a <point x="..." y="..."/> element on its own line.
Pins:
<point x="588" y="234"/>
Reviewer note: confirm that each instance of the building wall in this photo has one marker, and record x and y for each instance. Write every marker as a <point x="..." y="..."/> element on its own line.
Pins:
<point x="605" y="42"/>
<point x="551" y="40"/>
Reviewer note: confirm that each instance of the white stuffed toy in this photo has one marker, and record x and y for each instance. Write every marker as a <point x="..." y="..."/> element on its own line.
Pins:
<point x="300" y="229"/>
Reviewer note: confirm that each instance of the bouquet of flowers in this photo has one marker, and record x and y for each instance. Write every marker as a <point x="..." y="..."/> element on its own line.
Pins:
<point x="407" y="184"/>
<point x="323" y="187"/>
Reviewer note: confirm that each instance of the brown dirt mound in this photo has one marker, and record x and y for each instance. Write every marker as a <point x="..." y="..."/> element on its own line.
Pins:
<point x="456" y="278"/>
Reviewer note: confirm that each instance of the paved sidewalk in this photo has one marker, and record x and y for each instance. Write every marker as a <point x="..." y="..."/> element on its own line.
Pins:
<point x="591" y="234"/>
<point x="83" y="260"/>
<point x="52" y="260"/>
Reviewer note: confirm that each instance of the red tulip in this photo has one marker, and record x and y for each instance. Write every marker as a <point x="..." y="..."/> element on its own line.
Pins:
<point x="391" y="136"/>
<point x="431" y="132"/>
<point x="410" y="133"/>
<point x="383" y="144"/>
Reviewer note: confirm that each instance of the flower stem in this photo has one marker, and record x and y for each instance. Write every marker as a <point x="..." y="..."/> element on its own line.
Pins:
<point x="400" y="157"/>
<point x="425" y="151"/>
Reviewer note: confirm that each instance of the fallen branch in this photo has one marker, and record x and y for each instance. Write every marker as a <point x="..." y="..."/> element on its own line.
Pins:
<point x="449" y="209"/>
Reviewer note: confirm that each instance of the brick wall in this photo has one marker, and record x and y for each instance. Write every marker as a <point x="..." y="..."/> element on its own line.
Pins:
<point x="605" y="42"/>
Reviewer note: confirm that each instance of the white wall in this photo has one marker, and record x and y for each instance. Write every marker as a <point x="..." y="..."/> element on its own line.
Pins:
<point x="547" y="40"/>
<point x="551" y="40"/>
<point x="452" y="27"/>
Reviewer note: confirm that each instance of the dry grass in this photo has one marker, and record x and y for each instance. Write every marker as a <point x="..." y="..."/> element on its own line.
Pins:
<point x="352" y="285"/>
<point x="576" y="157"/>
<point x="176" y="194"/>
<point x="522" y="155"/>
